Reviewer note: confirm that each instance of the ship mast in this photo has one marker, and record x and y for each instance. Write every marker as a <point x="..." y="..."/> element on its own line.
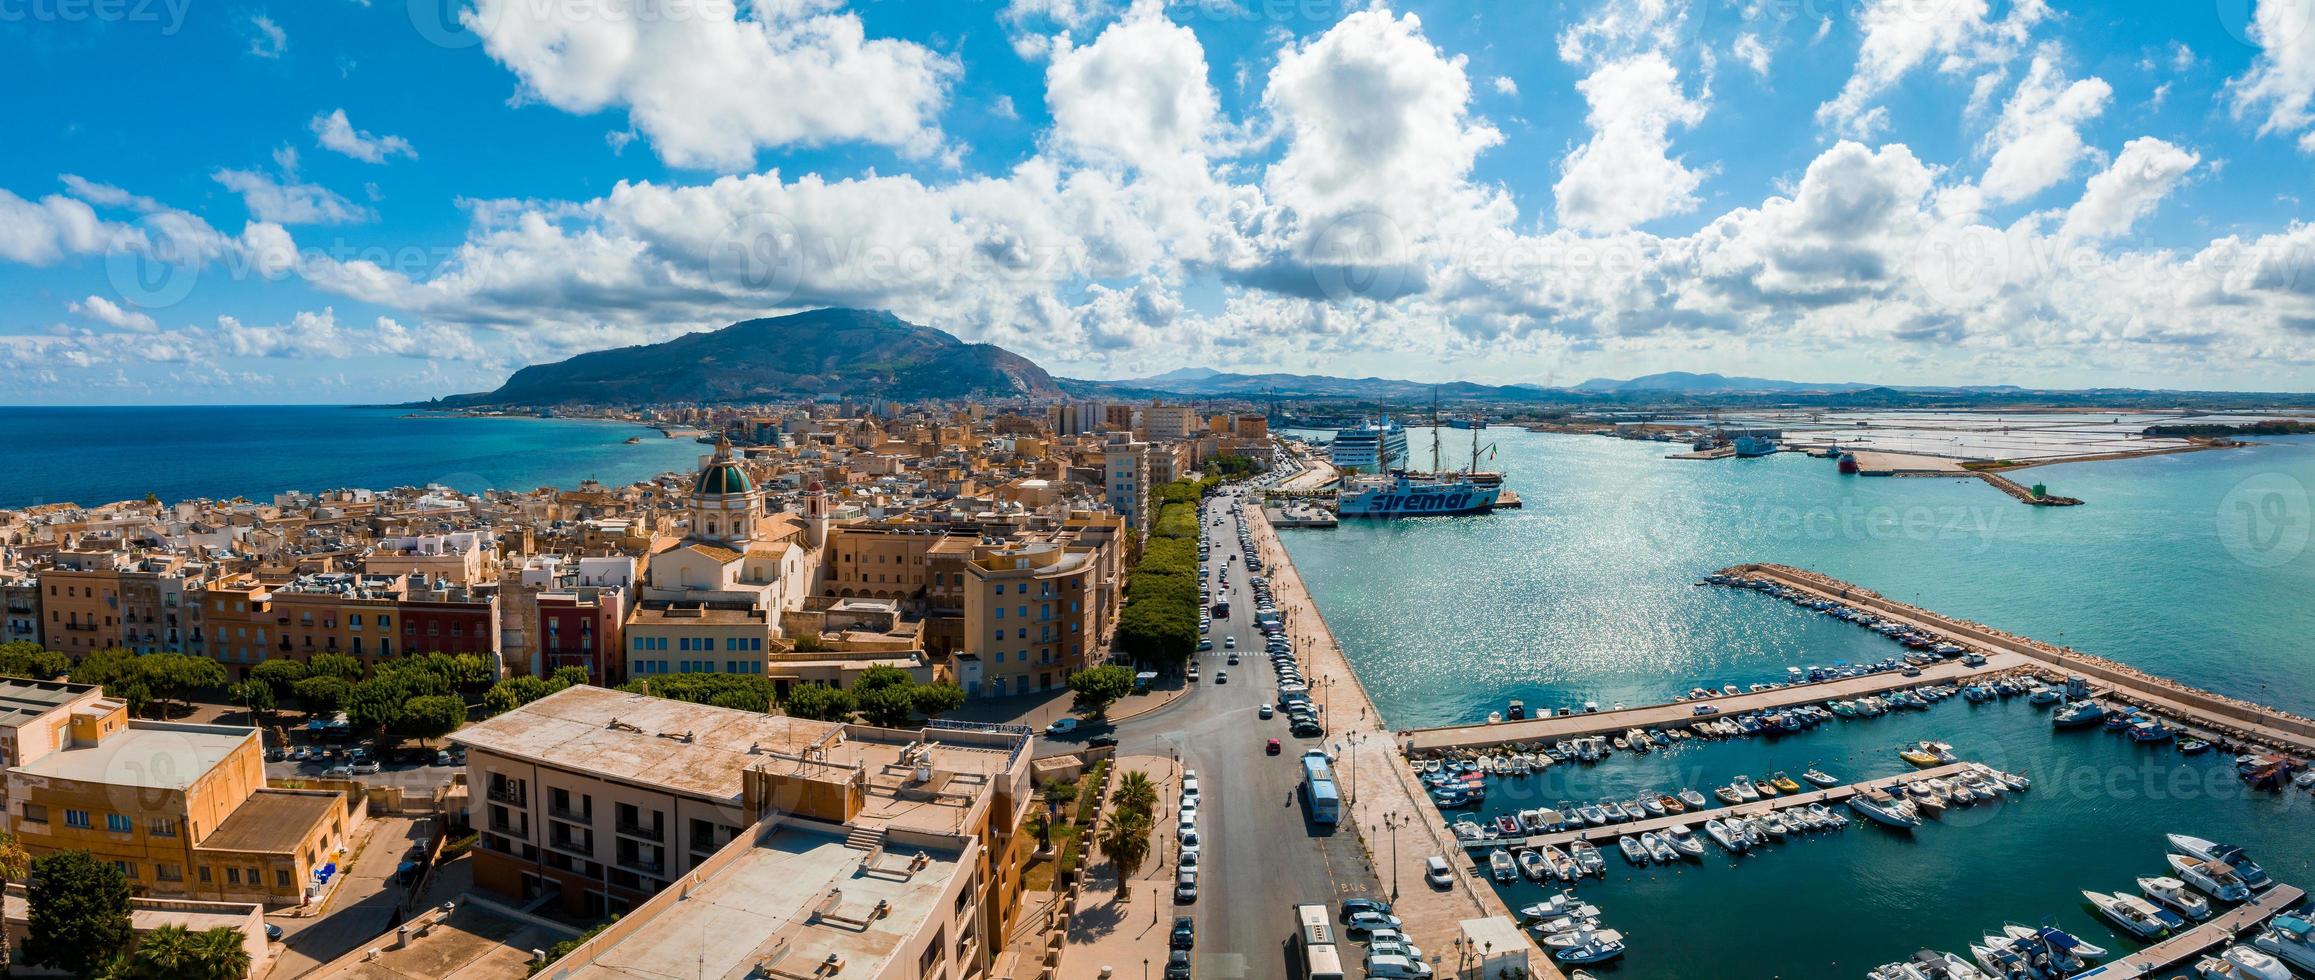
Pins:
<point x="1434" y="432"/>
<point x="1474" y="470"/>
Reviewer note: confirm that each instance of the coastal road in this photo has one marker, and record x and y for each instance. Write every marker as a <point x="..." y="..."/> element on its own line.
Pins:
<point x="1260" y="853"/>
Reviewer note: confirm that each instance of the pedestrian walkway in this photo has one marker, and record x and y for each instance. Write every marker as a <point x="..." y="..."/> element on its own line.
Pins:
<point x="1393" y="816"/>
<point x="2177" y="949"/>
<point x="1125" y="935"/>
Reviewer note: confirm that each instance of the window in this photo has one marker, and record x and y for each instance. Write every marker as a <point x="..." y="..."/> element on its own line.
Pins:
<point x="281" y="877"/>
<point x="168" y="872"/>
<point x="233" y="876"/>
<point x="203" y="871"/>
<point x="162" y="827"/>
<point x="128" y="869"/>
<point x="76" y="818"/>
<point x="35" y="813"/>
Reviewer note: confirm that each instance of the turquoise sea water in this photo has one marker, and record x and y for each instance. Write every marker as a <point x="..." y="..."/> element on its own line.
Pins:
<point x="99" y="455"/>
<point x="2194" y="566"/>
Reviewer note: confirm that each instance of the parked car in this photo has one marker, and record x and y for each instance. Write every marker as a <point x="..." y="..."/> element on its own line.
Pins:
<point x="1185" y="935"/>
<point x="1178" y="965"/>
<point x="1369" y="921"/>
<point x="1384" y="966"/>
<point x="1353" y="906"/>
<point x="1061" y="726"/>
<point x="1186" y="886"/>
<point x="1102" y="742"/>
<point x="338" y="772"/>
<point x="369" y="768"/>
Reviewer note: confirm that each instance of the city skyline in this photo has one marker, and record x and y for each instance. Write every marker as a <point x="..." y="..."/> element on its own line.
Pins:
<point x="382" y="202"/>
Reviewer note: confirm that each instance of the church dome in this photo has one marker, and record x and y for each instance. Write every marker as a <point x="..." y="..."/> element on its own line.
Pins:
<point x="723" y="476"/>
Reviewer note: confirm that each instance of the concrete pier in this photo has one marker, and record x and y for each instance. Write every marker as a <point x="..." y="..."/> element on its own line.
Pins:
<point x="1831" y="796"/>
<point x="2207" y="937"/>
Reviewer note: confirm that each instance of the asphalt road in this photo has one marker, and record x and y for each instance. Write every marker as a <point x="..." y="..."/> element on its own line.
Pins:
<point x="1260" y="853"/>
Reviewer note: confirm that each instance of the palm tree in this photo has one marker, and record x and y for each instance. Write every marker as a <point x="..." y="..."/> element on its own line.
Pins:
<point x="222" y="954"/>
<point x="1125" y="842"/>
<point x="169" y="951"/>
<point x="1135" y="794"/>
<point x="15" y="866"/>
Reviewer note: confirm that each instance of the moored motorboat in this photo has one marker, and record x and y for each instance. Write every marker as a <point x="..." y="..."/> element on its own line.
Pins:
<point x="1658" y="850"/>
<point x="1745" y="790"/>
<point x="1635" y="852"/>
<point x="1684" y="840"/>
<point x="1732" y="842"/>
<point x="2241" y="963"/>
<point x="1587" y="858"/>
<point x="1586" y="946"/>
<point x="2289" y="940"/>
<point x="2172" y="894"/>
<point x="1501" y="867"/>
<point x="2132" y="913"/>
<point x="1883" y="809"/>
<point x="2080" y="714"/>
<point x="2228" y="854"/>
<point x="2056" y="939"/>
<point x="1562" y="867"/>
<point x="1820" y="778"/>
<point x="1784" y="783"/>
<point x="1728" y="795"/>
<point x="1693" y="799"/>
<point x="2214" y="878"/>
<point x="1534" y="866"/>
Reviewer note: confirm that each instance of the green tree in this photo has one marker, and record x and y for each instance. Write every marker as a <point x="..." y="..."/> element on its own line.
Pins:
<point x="323" y="695"/>
<point x="79" y="908"/>
<point x="514" y="692"/>
<point x="430" y="717"/>
<point x="15" y="864"/>
<point x="280" y="675"/>
<point x="334" y="665"/>
<point x="169" y="675"/>
<point x="375" y="705"/>
<point x="890" y="706"/>
<point x="820" y="702"/>
<point x="935" y="700"/>
<point x="174" y="952"/>
<point x="23" y="658"/>
<point x="880" y="677"/>
<point x="106" y="668"/>
<point x="572" y="676"/>
<point x="1099" y="687"/>
<point x="1135" y="794"/>
<point x="1125" y="842"/>
<point x="745" y="692"/>
<point x="258" y="697"/>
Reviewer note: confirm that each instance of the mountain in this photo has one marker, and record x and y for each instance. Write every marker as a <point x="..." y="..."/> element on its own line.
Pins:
<point x="1201" y="383"/>
<point x="1683" y="381"/>
<point x="843" y="352"/>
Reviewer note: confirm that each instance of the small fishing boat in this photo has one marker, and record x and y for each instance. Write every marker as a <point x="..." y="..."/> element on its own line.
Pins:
<point x="1587" y="858"/>
<point x="1653" y="805"/>
<point x="1693" y="799"/>
<point x="1533" y="866"/>
<point x="1820" y="778"/>
<point x="1671" y="804"/>
<point x="2172" y="894"/>
<point x="1593" y="814"/>
<point x="1745" y="790"/>
<point x="1728" y="795"/>
<point x="1926" y="754"/>
<point x="1785" y="783"/>
<point x="1562" y="866"/>
<point x="1765" y="788"/>
<point x="2044" y="695"/>
<point x="1826" y="818"/>
<point x="1634" y="852"/>
<point x="1501" y="867"/>
<point x="1507" y="825"/>
<point x="2194" y="746"/>
<point x="1586" y="946"/>
<point x="1560" y="906"/>
<point x="1684" y="840"/>
<point x="1774" y="823"/>
<point x="1733" y="843"/>
<point x="2080" y="714"/>
<point x="2135" y="915"/>
<point x="1658" y="851"/>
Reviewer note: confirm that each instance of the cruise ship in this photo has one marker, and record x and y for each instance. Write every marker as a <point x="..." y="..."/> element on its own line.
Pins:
<point x="1367" y="448"/>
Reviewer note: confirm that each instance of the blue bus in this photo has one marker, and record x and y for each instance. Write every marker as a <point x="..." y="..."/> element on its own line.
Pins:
<point x="1318" y="790"/>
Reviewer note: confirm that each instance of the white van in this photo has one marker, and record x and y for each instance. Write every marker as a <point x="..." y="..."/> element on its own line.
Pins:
<point x="1386" y="967"/>
<point x="1436" y="871"/>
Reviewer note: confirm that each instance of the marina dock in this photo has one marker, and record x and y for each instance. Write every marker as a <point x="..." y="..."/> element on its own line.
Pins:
<point x="1678" y="714"/>
<point x="2192" y="708"/>
<point x="1830" y="796"/>
<point x="2178" y="949"/>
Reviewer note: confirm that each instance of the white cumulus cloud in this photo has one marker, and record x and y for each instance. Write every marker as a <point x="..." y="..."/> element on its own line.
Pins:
<point x="335" y="132"/>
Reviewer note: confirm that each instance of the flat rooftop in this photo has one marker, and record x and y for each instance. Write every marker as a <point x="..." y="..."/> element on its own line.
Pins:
<point x="272" y="821"/>
<point x="770" y="908"/>
<point x="572" y="729"/>
<point x="22" y="699"/>
<point x="146" y="755"/>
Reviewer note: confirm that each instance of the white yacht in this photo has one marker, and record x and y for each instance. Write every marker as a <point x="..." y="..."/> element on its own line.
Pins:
<point x="1719" y="832"/>
<point x="2241" y="963"/>
<point x="1634" y="851"/>
<point x="2289" y="941"/>
<point x="1684" y="840"/>
<point x="2172" y="894"/>
<point x="2229" y="854"/>
<point x="2132" y="913"/>
<point x="1883" y="809"/>
<point x="2215" y="878"/>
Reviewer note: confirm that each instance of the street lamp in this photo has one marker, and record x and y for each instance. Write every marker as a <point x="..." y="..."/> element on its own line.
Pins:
<point x="1391" y="820"/>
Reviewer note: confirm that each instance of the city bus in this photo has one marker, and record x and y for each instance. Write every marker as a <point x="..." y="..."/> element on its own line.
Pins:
<point x="1318" y="790"/>
<point x="1314" y="942"/>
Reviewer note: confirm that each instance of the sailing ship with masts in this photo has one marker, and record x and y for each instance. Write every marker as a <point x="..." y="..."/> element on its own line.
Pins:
<point x="1399" y="493"/>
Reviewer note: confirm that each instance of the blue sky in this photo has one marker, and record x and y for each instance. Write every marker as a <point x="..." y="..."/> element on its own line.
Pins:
<point x="337" y="200"/>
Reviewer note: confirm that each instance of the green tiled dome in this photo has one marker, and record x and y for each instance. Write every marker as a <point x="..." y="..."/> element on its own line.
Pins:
<point x="722" y="478"/>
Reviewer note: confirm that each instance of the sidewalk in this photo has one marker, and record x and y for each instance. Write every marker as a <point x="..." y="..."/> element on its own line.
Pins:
<point x="1382" y="793"/>
<point x="1127" y="935"/>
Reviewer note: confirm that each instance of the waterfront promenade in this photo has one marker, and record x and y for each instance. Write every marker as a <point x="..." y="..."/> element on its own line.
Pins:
<point x="1677" y="714"/>
<point x="2178" y="949"/>
<point x="1395" y="819"/>
<point x="1606" y="836"/>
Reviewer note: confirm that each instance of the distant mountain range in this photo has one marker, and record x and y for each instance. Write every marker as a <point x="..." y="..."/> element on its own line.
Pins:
<point x="832" y="352"/>
<point x="874" y="354"/>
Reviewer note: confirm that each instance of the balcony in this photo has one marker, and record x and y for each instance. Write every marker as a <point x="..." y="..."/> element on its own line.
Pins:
<point x="568" y="815"/>
<point x="511" y="794"/>
<point x="642" y="865"/>
<point x="653" y="834"/>
<point x="81" y="627"/>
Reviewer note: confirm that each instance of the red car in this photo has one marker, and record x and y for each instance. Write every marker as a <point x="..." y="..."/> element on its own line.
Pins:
<point x="1272" y="748"/>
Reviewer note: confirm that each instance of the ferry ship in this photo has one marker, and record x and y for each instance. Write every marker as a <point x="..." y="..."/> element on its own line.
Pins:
<point x="1368" y="447"/>
<point x="1408" y="496"/>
